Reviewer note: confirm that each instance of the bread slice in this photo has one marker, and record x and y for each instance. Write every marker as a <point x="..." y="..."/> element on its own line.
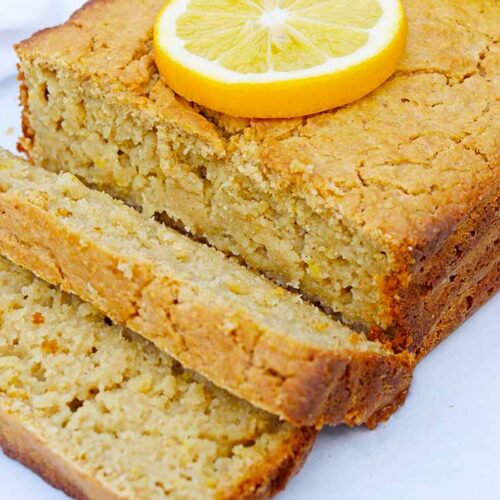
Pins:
<point x="102" y="414"/>
<point x="241" y="331"/>
<point x="385" y="211"/>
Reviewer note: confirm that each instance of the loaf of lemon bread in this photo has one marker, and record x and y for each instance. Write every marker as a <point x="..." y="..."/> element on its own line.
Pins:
<point x="383" y="211"/>
<point x="102" y="414"/>
<point x="238" y="329"/>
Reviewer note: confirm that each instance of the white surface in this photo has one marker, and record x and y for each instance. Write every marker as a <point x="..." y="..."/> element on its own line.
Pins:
<point x="443" y="444"/>
<point x="19" y="18"/>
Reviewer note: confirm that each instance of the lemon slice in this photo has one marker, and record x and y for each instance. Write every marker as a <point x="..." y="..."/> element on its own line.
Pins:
<point x="278" y="58"/>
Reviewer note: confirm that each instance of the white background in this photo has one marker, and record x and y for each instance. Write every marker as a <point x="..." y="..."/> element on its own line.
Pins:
<point x="443" y="444"/>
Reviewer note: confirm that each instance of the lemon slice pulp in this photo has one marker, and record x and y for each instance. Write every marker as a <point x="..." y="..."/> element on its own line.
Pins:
<point x="278" y="58"/>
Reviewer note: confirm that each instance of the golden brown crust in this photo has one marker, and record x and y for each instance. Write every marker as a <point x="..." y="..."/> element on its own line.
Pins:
<point x="448" y="272"/>
<point x="305" y="384"/>
<point x="271" y="478"/>
<point x="369" y="378"/>
<point x="475" y="294"/>
<point x="26" y="447"/>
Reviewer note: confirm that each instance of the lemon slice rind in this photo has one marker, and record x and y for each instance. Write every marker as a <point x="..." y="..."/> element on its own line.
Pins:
<point x="280" y="94"/>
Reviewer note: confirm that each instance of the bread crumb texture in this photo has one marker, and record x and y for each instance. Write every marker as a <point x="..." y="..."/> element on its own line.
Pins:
<point x="112" y="407"/>
<point x="286" y="356"/>
<point x="339" y="205"/>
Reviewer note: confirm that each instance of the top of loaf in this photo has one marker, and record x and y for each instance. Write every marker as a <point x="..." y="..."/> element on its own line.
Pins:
<point x="402" y="165"/>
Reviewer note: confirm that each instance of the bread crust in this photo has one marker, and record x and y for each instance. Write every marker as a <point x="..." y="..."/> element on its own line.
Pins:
<point x="477" y="292"/>
<point x="305" y="384"/>
<point x="272" y="477"/>
<point x="447" y="271"/>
